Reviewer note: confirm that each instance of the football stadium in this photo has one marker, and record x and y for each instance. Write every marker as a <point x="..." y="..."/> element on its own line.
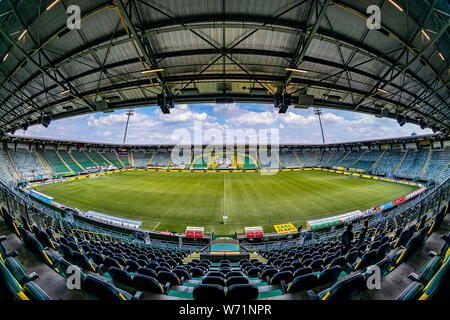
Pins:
<point x="334" y="184"/>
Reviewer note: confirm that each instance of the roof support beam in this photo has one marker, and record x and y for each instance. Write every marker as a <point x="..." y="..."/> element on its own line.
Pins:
<point x="37" y="65"/>
<point x="246" y="77"/>
<point x="148" y="55"/>
<point x="280" y="26"/>
<point x="235" y="52"/>
<point x="300" y="53"/>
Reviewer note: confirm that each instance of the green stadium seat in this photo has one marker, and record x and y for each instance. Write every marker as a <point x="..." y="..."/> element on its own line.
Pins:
<point x="242" y="292"/>
<point x="208" y="292"/>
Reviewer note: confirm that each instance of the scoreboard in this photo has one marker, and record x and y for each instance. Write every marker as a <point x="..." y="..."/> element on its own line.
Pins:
<point x="122" y="152"/>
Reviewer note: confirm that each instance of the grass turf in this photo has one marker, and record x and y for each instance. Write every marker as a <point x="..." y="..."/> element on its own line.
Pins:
<point x="169" y="201"/>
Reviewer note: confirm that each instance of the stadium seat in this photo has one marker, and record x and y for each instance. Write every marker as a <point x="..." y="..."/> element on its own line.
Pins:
<point x="214" y="280"/>
<point x="302" y="271"/>
<point x="270" y="272"/>
<point x="290" y="268"/>
<point x="369" y="258"/>
<point x="133" y="265"/>
<point x="242" y="292"/>
<point x="215" y="274"/>
<point x="121" y="276"/>
<point x="303" y="282"/>
<point x="330" y="275"/>
<point x="11" y="284"/>
<point x="35" y="246"/>
<point x="342" y="290"/>
<point x="169" y="277"/>
<point x="236" y="280"/>
<point x="404" y="252"/>
<point x="34" y="292"/>
<point x="412" y="292"/>
<point x="235" y="274"/>
<point x="82" y="261"/>
<point x="278" y="278"/>
<point x="253" y="272"/>
<point x="196" y="272"/>
<point x="149" y="284"/>
<point x="111" y="262"/>
<point x="106" y="291"/>
<point x="181" y="272"/>
<point x="147" y="271"/>
<point x="208" y="292"/>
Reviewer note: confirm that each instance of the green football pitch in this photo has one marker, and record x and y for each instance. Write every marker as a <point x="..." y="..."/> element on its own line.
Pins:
<point x="170" y="201"/>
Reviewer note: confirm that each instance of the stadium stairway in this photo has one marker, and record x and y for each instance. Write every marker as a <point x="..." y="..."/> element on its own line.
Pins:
<point x="356" y="161"/>
<point x="44" y="162"/>
<point x="11" y="165"/>
<point x="328" y="159"/>
<point x="401" y="161"/>
<point x="342" y="159"/>
<point x="192" y="256"/>
<point x="75" y="160"/>
<point x="104" y="158"/>
<point x="376" y="161"/>
<point x="151" y="158"/>
<point x="426" y="163"/>
<point x="256" y="256"/>
<point x="298" y="159"/>
<point x="69" y="161"/>
<point x="130" y="159"/>
<point x="61" y="158"/>
<point x="5" y="173"/>
<point x="91" y="159"/>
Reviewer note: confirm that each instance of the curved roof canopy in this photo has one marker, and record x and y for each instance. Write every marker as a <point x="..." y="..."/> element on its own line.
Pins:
<point x="223" y="51"/>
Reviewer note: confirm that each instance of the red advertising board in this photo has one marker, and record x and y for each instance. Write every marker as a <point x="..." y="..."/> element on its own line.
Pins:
<point x="399" y="200"/>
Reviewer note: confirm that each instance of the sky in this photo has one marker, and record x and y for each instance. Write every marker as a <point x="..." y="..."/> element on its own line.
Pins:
<point x="247" y="122"/>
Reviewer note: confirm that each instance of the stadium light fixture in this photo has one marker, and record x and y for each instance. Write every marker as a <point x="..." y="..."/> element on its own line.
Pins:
<point x="318" y="113"/>
<point x="296" y="70"/>
<point x="418" y="106"/>
<point x="401" y="120"/>
<point x="22" y="34"/>
<point x="5" y="57"/>
<point x="440" y="55"/>
<point x="64" y="92"/>
<point x="152" y="70"/>
<point x="425" y="34"/>
<point x="396" y="5"/>
<point x="381" y="90"/>
<point x="52" y="5"/>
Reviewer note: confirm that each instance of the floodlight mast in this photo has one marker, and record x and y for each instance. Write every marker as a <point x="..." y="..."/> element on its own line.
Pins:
<point x="318" y="112"/>
<point x="129" y="113"/>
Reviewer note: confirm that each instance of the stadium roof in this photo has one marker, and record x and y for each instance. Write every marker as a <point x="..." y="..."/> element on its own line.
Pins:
<point x="223" y="51"/>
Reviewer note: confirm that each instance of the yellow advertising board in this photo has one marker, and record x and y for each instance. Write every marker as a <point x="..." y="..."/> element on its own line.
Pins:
<point x="285" y="228"/>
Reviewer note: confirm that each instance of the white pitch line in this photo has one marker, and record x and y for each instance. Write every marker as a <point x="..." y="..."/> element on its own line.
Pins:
<point x="224" y="194"/>
<point x="157" y="226"/>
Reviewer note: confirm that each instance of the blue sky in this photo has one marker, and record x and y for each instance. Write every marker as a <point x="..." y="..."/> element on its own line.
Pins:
<point x="149" y="126"/>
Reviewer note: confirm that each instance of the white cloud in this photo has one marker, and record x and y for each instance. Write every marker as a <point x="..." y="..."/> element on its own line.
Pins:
<point x="182" y="113"/>
<point x="294" y="119"/>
